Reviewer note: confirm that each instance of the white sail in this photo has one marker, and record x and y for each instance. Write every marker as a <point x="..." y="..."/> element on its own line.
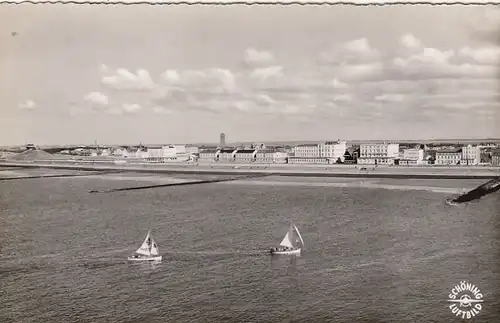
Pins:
<point x="298" y="233"/>
<point x="286" y="241"/>
<point x="145" y="248"/>
<point x="154" y="248"/>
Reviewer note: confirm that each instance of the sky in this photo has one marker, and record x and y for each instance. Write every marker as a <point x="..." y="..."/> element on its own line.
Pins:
<point x="73" y="74"/>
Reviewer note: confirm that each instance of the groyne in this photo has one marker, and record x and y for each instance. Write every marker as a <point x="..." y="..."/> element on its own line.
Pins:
<point x="59" y="175"/>
<point x="280" y="170"/>
<point x="134" y="188"/>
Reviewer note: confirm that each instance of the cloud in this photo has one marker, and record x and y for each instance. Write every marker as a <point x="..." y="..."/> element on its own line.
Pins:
<point x="255" y="57"/>
<point x="123" y="79"/>
<point x="353" y="80"/>
<point x="390" y="97"/>
<point x="131" y="108"/>
<point x="27" y="105"/>
<point x="338" y="84"/>
<point x="97" y="98"/>
<point x="409" y="41"/>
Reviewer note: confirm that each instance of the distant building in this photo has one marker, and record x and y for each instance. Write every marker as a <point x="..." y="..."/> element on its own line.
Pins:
<point x="471" y="155"/>
<point x="245" y="155"/>
<point x="412" y="156"/>
<point x="495" y="157"/>
<point x="448" y="156"/>
<point x="265" y="156"/>
<point x="269" y="156"/>
<point x="209" y="155"/>
<point x="30" y="147"/>
<point x="307" y="151"/>
<point x="308" y="160"/>
<point x="485" y="157"/>
<point x="227" y="155"/>
<point x="378" y="154"/>
<point x="333" y="150"/>
<point x="222" y="139"/>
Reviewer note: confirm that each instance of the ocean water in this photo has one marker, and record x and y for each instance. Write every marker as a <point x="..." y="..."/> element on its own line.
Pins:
<point x="372" y="254"/>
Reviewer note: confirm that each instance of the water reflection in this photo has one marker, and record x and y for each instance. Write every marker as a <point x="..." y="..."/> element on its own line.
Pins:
<point x="287" y="263"/>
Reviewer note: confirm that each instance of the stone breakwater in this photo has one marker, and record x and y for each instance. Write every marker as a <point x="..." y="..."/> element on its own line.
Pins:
<point x="403" y="172"/>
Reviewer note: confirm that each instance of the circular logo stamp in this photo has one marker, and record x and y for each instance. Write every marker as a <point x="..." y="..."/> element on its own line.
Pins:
<point x="466" y="300"/>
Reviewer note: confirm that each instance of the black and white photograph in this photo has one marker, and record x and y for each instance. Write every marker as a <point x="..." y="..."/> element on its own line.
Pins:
<point x="249" y="163"/>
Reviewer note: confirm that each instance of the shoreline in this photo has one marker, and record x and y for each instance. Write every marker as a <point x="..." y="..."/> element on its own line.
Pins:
<point x="340" y="171"/>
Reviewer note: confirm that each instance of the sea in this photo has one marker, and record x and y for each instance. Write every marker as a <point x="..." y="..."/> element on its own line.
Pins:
<point x="375" y="250"/>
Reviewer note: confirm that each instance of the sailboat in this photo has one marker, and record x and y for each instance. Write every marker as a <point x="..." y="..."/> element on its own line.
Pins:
<point x="148" y="251"/>
<point x="289" y="244"/>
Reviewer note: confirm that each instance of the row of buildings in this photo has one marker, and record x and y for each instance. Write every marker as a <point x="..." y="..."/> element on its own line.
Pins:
<point x="154" y="154"/>
<point x="327" y="152"/>
<point x="339" y="152"/>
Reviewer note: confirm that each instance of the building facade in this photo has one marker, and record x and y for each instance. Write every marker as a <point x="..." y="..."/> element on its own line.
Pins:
<point x="333" y="150"/>
<point x="412" y="156"/>
<point x="227" y="155"/>
<point x="209" y="155"/>
<point x="245" y="155"/>
<point x="308" y="160"/>
<point x="378" y="154"/>
<point x="471" y="155"/>
<point x="265" y="156"/>
<point x="307" y="151"/>
<point x="495" y="157"/>
<point x="448" y="157"/>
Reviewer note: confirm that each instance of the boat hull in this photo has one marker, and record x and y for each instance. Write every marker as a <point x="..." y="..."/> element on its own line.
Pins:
<point x="156" y="258"/>
<point x="288" y="252"/>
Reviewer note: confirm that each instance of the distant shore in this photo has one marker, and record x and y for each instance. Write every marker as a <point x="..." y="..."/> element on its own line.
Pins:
<point x="403" y="172"/>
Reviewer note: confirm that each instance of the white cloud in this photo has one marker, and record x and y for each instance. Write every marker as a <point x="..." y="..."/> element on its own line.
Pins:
<point x="27" y="105"/>
<point x="256" y="57"/>
<point x="390" y="97"/>
<point x="267" y="72"/>
<point x="336" y="84"/>
<point x="123" y="79"/>
<point x="131" y="108"/>
<point x="484" y="55"/>
<point x="409" y="41"/>
<point x="361" y="72"/>
<point x="96" y="97"/>
<point x="355" y="80"/>
<point x="170" y="76"/>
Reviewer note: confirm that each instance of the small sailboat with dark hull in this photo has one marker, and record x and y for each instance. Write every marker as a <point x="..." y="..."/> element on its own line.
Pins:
<point x="148" y="251"/>
<point x="289" y="244"/>
<point x="475" y="194"/>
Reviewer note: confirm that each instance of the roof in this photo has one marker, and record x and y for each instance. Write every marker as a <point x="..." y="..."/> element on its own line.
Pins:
<point x="449" y="151"/>
<point x="246" y="151"/>
<point x="307" y="145"/>
<point x="208" y="151"/>
<point x="265" y="151"/>
<point x="318" y="157"/>
<point x="225" y="150"/>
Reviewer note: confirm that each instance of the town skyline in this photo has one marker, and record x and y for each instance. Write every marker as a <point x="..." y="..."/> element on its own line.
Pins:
<point x="327" y="76"/>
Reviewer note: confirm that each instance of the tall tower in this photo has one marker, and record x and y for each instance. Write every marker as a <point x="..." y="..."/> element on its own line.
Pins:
<point x="222" y="139"/>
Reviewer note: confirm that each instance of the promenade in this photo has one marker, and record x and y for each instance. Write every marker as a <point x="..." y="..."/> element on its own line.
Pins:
<point x="409" y="172"/>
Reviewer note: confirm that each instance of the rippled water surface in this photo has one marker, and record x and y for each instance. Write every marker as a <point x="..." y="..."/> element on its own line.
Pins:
<point x="371" y="254"/>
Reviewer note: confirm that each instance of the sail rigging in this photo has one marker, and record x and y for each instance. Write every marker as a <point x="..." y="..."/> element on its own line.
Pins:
<point x="148" y="247"/>
<point x="289" y="237"/>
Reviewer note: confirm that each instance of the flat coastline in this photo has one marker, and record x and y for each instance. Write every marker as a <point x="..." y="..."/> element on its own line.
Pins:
<point x="294" y="170"/>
